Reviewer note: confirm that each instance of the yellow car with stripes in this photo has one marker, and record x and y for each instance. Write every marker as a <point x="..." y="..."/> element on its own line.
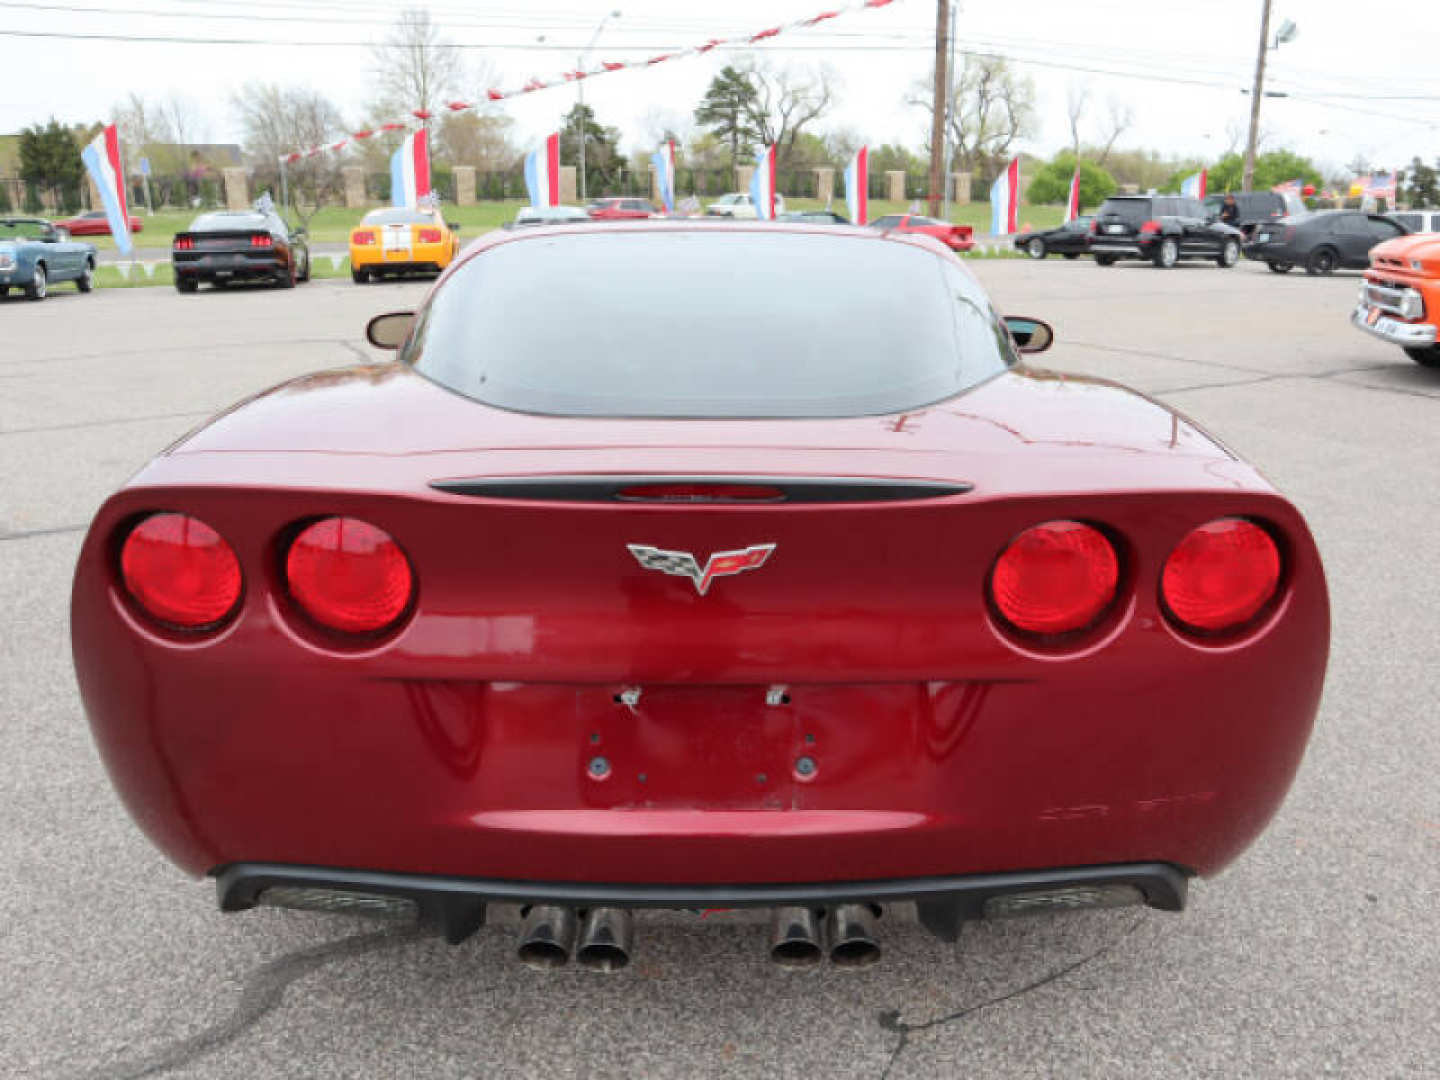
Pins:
<point x="397" y="240"/>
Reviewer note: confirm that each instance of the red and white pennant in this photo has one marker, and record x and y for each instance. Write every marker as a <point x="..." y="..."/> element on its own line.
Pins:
<point x="603" y="68"/>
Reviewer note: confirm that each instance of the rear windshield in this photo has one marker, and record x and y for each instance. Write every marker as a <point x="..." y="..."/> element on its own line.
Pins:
<point x="398" y="216"/>
<point x="699" y="324"/>
<point x="229" y="222"/>
<point x="1126" y="209"/>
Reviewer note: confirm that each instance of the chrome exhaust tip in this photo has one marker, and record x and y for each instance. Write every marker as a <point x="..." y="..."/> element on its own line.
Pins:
<point x="547" y="937"/>
<point x="605" y="939"/>
<point x="851" y="930"/>
<point x="795" y="938"/>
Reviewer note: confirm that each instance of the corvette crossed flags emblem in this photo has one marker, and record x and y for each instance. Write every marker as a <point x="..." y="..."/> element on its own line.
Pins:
<point x="684" y="564"/>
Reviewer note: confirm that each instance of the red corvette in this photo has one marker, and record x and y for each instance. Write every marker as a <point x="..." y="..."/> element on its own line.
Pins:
<point x="602" y="597"/>
<point x="95" y="223"/>
<point x="955" y="237"/>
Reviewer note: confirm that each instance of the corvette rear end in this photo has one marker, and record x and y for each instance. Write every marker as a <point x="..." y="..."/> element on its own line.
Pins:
<point x="1034" y="644"/>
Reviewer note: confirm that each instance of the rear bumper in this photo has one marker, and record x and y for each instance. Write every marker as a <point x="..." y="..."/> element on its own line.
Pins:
<point x="228" y="266"/>
<point x="455" y="905"/>
<point x="393" y="266"/>
<point x="1134" y="249"/>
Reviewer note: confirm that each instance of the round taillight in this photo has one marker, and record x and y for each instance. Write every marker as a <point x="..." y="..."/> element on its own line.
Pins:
<point x="348" y="575"/>
<point x="1220" y="576"/>
<point x="180" y="571"/>
<point x="1055" y="578"/>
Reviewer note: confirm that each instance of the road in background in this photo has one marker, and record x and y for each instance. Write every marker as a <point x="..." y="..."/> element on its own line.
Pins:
<point x="1317" y="953"/>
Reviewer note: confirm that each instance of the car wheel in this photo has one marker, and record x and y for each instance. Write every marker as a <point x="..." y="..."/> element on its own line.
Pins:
<point x="1035" y="248"/>
<point x="186" y="284"/>
<point x="285" y="278"/>
<point x="1071" y="255"/>
<point x="86" y="281"/>
<point x="1104" y="260"/>
<point x="359" y="277"/>
<point x="1425" y="357"/>
<point x="304" y="266"/>
<point x="1280" y="267"/>
<point x="1229" y="254"/>
<point x="1168" y="253"/>
<point x="39" y="285"/>
<point x="1321" y="262"/>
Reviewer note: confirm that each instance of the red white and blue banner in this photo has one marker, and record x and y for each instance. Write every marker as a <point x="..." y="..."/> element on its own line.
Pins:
<point x="857" y="187"/>
<point x="102" y="159"/>
<point x="1005" y="200"/>
<point x="762" y="185"/>
<point x="410" y="170"/>
<point x="1072" y="201"/>
<point x="1195" y="186"/>
<point x="664" y="161"/>
<point x="542" y="173"/>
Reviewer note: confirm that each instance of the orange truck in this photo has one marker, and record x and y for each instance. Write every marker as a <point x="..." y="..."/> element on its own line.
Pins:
<point x="1400" y="299"/>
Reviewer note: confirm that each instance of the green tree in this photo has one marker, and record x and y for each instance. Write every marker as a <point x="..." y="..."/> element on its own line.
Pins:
<point x="602" y="149"/>
<point x="1052" y="182"/>
<point x="1273" y="168"/>
<point x="1423" y="188"/>
<point x="50" y="159"/>
<point x="728" y="110"/>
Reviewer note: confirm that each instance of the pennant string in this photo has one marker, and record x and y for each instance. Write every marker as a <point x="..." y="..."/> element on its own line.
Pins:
<point x="605" y="67"/>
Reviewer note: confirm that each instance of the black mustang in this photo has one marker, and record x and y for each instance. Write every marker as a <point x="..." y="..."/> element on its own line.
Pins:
<point x="1067" y="240"/>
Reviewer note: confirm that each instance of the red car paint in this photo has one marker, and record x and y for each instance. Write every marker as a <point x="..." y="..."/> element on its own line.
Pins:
<point x="955" y="237"/>
<point x="616" y="210"/>
<point x="95" y="223"/>
<point x="464" y="741"/>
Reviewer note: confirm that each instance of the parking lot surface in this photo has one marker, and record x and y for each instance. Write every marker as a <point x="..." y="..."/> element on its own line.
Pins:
<point x="1318" y="953"/>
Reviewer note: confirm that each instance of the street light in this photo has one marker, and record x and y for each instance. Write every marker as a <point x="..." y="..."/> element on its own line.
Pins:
<point x="580" y="86"/>
<point x="1283" y="36"/>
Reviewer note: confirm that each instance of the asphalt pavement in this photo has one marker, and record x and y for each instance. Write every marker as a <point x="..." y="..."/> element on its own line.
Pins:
<point x="1316" y="954"/>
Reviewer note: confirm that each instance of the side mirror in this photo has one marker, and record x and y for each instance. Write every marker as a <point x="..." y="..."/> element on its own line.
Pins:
<point x="390" y="330"/>
<point x="453" y="226"/>
<point x="1031" y="335"/>
<point x="300" y="232"/>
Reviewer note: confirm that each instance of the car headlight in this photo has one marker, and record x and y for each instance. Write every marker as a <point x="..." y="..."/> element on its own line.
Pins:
<point x="7" y="261"/>
<point x="1412" y="305"/>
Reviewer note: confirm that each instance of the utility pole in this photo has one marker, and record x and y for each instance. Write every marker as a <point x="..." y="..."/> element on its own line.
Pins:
<point x="1248" y="179"/>
<point x="942" y="92"/>
<point x="949" y="111"/>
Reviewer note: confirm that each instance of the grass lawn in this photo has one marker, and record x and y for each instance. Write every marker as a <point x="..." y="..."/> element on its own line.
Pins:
<point x="332" y="224"/>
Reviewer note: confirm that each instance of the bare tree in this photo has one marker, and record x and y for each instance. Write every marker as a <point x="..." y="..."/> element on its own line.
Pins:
<point x="786" y="101"/>
<point x="993" y="108"/>
<point x="278" y="121"/>
<point x="1075" y="102"/>
<point x="415" y="67"/>
<point x="1118" y="121"/>
<point x="478" y="139"/>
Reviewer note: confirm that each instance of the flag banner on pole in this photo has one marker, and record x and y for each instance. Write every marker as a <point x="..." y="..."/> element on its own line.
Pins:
<point x="1378" y="186"/>
<point x="102" y="160"/>
<point x="606" y="67"/>
<point x="762" y="185"/>
<point x="410" y="170"/>
<point x="542" y="173"/>
<point x="1005" y="200"/>
<point x="664" y="160"/>
<point x="1194" y="186"/>
<point x="1289" y="187"/>
<point x="857" y="187"/>
<point x="1072" y="204"/>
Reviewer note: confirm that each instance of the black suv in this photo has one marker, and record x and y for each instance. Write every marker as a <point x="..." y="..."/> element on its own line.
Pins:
<point x="1161" y="228"/>
<point x="1257" y="207"/>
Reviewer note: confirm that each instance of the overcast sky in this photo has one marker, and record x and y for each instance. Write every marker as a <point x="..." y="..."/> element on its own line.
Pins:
<point x="1363" y="79"/>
